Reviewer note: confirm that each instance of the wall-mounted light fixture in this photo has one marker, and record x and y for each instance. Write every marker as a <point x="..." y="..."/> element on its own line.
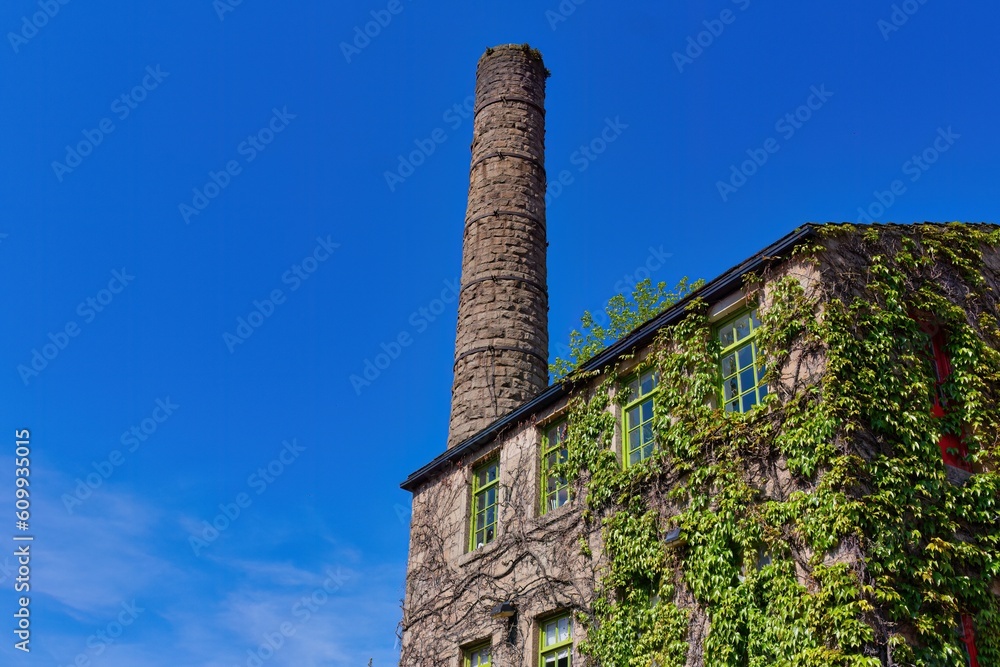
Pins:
<point x="673" y="537"/>
<point x="504" y="610"/>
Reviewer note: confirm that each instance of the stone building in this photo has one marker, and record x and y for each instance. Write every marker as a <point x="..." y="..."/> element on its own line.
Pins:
<point x="794" y="465"/>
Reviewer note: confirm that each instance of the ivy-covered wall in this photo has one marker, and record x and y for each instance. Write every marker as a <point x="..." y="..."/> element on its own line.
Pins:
<point x="820" y="528"/>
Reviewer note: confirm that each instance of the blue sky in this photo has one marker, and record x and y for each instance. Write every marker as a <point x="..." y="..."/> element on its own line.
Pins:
<point x="243" y="175"/>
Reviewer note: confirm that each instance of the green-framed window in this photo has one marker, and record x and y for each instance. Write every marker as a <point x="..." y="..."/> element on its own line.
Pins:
<point x="478" y="656"/>
<point x="485" y="488"/>
<point x="741" y="362"/>
<point x="638" y="416"/>
<point x="555" y="647"/>
<point x="555" y="487"/>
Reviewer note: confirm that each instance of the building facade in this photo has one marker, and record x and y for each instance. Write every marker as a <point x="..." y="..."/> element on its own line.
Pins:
<point x="794" y="465"/>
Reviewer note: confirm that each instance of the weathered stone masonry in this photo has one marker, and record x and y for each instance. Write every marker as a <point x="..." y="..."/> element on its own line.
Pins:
<point x="501" y="346"/>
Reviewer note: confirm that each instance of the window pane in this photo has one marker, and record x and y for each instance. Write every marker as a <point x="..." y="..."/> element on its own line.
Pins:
<point x="749" y="401"/>
<point x="633" y="389"/>
<point x="753" y="318"/>
<point x="555" y="632"/>
<point x="632" y="417"/>
<point x="479" y="657"/>
<point x="647" y="383"/>
<point x="647" y="433"/>
<point x="746" y="356"/>
<point x="726" y="337"/>
<point x="733" y="406"/>
<point x="763" y="390"/>
<point x="731" y="388"/>
<point x="742" y="327"/>
<point x="556" y="435"/>
<point x="747" y="380"/>
<point x="646" y="411"/>
<point x="729" y="365"/>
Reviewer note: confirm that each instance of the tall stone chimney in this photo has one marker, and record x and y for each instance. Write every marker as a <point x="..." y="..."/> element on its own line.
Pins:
<point x="501" y="346"/>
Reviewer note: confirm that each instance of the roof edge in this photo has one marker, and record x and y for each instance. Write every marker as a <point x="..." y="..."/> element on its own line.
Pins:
<point x="641" y="335"/>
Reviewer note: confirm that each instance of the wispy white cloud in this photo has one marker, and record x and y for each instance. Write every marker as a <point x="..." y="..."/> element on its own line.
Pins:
<point x="99" y="556"/>
<point x="335" y="605"/>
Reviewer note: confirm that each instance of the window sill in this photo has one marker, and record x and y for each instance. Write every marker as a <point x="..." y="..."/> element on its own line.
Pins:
<point x="554" y="515"/>
<point x="476" y="554"/>
<point x="956" y="476"/>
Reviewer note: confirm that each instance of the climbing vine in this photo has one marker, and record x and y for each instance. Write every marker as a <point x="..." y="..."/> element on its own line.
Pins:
<point x="821" y="528"/>
<point x="622" y="315"/>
